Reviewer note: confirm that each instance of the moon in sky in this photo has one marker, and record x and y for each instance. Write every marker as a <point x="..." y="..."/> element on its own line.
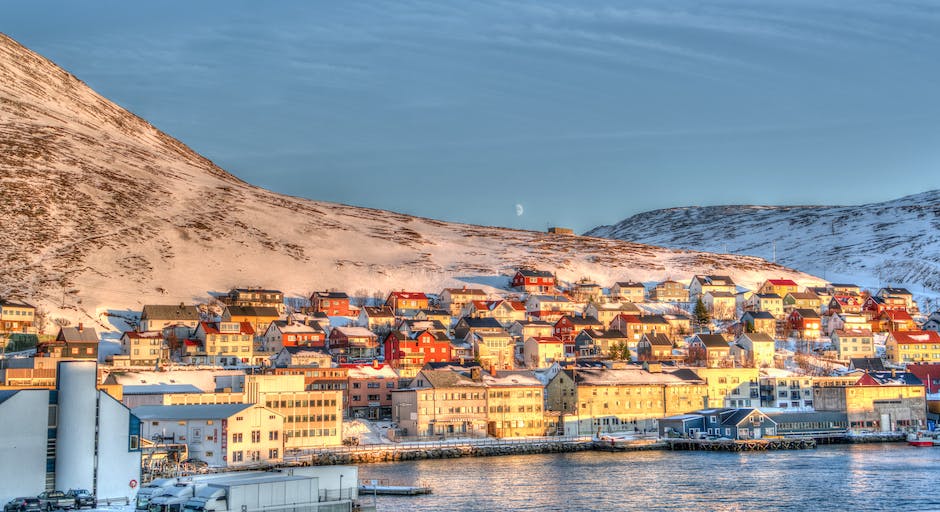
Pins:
<point x="519" y="210"/>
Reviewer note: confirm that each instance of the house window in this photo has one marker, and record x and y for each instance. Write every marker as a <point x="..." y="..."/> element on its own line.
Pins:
<point x="255" y="436"/>
<point x="272" y="453"/>
<point x="134" y="442"/>
<point x="272" y="435"/>
<point x="238" y="456"/>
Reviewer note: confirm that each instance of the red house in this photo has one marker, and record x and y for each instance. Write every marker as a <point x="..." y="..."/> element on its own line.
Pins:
<point x="845" y="304"/>
<point x="893" y="320"/>
<point x="567" y="327"/>
<point x="929" y="374"/>
<point x="874" y="306"/>
<point x="805" y="323"/>
<point x="408" y="354"/>
<point x="534" y="281"/>
<point x="332" y="304"/>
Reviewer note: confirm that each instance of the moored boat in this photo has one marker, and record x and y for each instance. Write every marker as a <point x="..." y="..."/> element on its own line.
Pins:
<point x="919" y="440"/>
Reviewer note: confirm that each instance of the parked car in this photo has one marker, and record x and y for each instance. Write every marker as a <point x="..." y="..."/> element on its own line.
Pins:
<point x="83" y="498"/>
<point x="22" y="505"/>
<point x="52" y="500"/>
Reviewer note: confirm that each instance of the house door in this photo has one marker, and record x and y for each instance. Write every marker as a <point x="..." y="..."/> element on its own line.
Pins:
<point x="885" y="422"/>
<point x="757" y="433"/>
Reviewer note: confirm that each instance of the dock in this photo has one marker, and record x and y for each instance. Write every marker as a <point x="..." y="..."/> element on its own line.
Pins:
<point x="393" y="490"/>
<point x="738" y="445"/>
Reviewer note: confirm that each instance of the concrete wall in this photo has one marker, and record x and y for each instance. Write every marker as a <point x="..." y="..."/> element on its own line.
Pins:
<point x="75" y="446"/>
<point x="23" y="435"/>
<point x="117" y="463"/>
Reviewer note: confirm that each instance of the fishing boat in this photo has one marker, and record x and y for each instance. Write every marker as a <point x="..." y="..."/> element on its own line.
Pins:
<point x="919" y="440"/>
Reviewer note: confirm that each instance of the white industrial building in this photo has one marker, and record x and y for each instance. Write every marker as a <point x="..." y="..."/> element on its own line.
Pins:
<point x="74" y="436"/>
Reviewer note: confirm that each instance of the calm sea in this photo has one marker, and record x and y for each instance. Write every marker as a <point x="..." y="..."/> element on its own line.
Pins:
<point x="892" y="477"/>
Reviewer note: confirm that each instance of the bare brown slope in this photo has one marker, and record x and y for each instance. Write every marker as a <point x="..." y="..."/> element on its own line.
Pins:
<point x="100" y="208"/>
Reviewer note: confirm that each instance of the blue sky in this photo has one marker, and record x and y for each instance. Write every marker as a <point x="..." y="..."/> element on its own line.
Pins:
<point x="582" y="112"/>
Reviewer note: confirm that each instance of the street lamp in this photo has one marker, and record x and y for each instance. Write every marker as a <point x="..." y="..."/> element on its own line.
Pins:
<point x="341" y="486"/>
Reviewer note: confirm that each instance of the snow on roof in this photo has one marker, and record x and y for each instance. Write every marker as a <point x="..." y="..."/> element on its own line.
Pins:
<point x="188" y="412"/>
<point x="905" y="337"/>
<point x="606" y="377"/>
<point x="355" y="332"/>
<point x="159" y="389"/>
<point x="368" y="371"/>
<point x="203" y="379"/>
<point x="511" y="378"/>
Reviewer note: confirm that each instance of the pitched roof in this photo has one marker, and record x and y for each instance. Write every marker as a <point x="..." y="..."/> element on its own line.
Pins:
<point x="188" y="412"/>
<point x="713" y="340"/>
<point x="76" y="335"/>
<point x="892" y="378"/>
<point x="252" y="311"/>
<point x="171" y="312"/>
<point x="911" y="337"/>
<point x="449" y="379"/>
<point x="12" y="304"/>
<point x="653" y="319"/>
<point x="579" y="320"/>
<point x="378" y="312"/>
<point x="717" y="294"/>
<point x="353" y="332"/>
<point x="409" y="295"/>
<point x="898" y="316"/>
<point x="331" y="295"/>
<point x="804" y="295"/>
<point x="629" y="376"/>
<point x="739" y="415"/>
<point x="213" y="328"/>
<point x="759" y="315"/>
<point x="535" y="273"/>
<point x="896" y="291"/>
<point x="630" y="284"/>
<point x="550" y="340"/>
<point x="806" y="313"/>
<point x="767" y="296"/>
<point x="659" y="339"/>
<point x="715" y="280"/>
<point x="136" y="335"/>
<point x="465" y="291"/>
<point x="481" y="323"/>
<point x="782" y="282"/>
<point x="868" y="364"/>
<point x="758" y="337"/>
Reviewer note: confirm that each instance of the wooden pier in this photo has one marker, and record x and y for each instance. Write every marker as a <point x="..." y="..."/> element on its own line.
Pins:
<point x="738" y="445"/>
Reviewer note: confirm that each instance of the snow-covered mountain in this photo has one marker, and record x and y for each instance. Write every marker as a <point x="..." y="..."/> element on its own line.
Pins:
<point x="895" y="242"/>
<point x="100" y="209"/>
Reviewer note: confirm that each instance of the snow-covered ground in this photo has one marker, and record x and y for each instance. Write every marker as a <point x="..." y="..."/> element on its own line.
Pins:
<point x="117" y="214"/>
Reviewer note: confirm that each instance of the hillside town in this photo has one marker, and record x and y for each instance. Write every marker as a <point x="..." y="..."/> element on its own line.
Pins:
<point x="251" y="376"/>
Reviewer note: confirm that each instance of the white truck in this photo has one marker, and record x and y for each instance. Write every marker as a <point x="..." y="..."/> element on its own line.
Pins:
<point x="152" y="488"/>
<point x="271" y="492"/>
<point x="174" y="496"/>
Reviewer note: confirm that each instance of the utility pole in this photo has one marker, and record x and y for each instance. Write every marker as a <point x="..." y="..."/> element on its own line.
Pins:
<point x="774" y="243"/>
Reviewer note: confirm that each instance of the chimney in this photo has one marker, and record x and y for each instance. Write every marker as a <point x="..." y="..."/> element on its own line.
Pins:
<point x="81" y="327"/>
<point x="493" y="370"/>
<point x="476" y="374"/>
<point x="290" y="320"/>
<point x="375" y="364"/>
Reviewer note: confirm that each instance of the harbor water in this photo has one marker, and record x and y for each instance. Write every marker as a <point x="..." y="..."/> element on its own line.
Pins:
<point x="890" y="476"/>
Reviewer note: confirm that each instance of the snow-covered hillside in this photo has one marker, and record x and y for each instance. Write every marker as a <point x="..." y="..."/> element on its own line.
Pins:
<point x="895" y="242"/>
<point x="101" y="210"/>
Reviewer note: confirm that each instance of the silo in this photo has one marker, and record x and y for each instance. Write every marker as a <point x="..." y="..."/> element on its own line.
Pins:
<point x="77" y="421"/>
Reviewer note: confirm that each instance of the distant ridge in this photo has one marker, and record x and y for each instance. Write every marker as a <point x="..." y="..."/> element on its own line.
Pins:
<point x="891" y="243"/>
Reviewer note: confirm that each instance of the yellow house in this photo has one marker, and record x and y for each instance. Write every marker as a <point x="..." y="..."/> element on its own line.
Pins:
<point x="609" y="400"/>
<point x="853" y="343"/>
<point x="493" y="349"/>
<point x="903" y="347"/>
<point x="542" y="352"/>
<point x="260" y="317"/>
<point x="731" y="387"/>
<point x="442" y="402"/>
<point x="514" y="404"/>
<point x="757" y="349"/>
<point x="227" y="343"/>
<point x="880" y="401"/>
<point x="17" y="317"/>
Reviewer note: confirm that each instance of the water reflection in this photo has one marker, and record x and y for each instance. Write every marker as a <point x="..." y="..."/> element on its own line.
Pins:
<point x="873" y="477"/>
